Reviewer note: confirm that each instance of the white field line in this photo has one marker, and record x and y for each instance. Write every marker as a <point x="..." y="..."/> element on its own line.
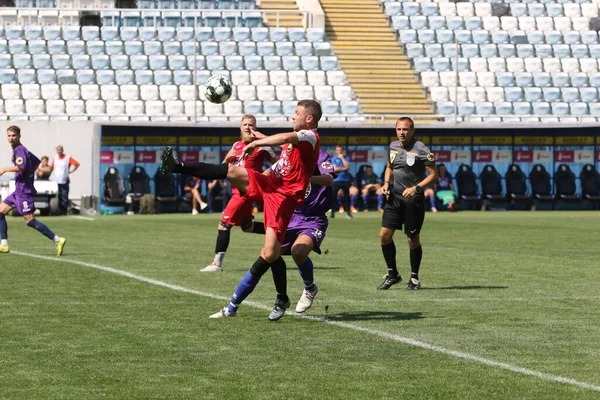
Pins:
<point x="387" y="335"/>
<point x="80" y="217"/>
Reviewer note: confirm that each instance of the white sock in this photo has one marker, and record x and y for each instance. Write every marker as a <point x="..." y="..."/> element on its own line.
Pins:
<point x="56" y="239"/>
<point x="4" y="243"/>
<point x="219" y="258"/>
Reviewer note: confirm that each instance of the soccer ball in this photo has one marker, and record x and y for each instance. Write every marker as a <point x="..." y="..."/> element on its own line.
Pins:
<point x="218" y="89"/>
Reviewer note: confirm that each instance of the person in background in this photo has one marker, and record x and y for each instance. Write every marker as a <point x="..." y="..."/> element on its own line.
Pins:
<point x="370" y="184"/>
<point x="214" y="188"/>
<point x="444" y="189"/>
<point x="62" y="166"/>
<point x="192" y="192"/>
<point x="44" y="170"/>
<point x="341" y="165"/>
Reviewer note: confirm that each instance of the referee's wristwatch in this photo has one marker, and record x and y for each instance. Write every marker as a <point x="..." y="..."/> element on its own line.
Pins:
<point x="418" y="189"/>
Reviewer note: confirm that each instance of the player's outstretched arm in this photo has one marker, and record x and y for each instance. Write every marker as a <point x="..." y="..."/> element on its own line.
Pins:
<point x="9" y="169"/>
<point x="322" y="180"/>
<point x="274" y="140"/>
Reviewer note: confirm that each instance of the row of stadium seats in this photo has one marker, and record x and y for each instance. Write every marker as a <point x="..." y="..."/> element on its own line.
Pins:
<point x="154" y="47"/>
<point x="513" y="64"/>
<point x="492" y="24"/>
<point x="171" y="92"/>
<point x="505" y="51"/>
<point x="484" y="9"/>
<point x="161" y="62"/>
<point x="174" y="19"/>
<point x="238" y="78"/>
<point x="559" y="108"/>
<point x="515" y="94"/>
<point x="483" y="36"/>
<point x="162" y="34"/>
<point x="162" y="4"/>
<point x="508" y="79"/>
<point x="159" y="108"/>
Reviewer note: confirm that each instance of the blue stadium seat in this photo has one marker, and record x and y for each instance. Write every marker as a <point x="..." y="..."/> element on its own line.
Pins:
<point x="253" y="107"/>
<point x="119" y="62"/>
<point x="551" y="94"/>
<point x="33" y="32"/>
<point x="13" y="32"/>
<point x="544" y="51"/>
<point x="71" y="33"/>
<point x="310" y="63"/>
<point x="589" y="37"/>
<point x="7" y="76"/>
<point x="61" y="61"/>
<point x="93" y="33"/>
<point x="500" y="37"/>
<point x="484" y="108"/>
<point x="124" y="77"/>
<point x="105" y="77"/>
<point x="554" y="37"/>
<point x="561" y="50"/>
<point x="26" y="76"/>
<point x="172" y="48"/>
<point x="41" y="61"/>
<point x="505" y="79"/>
<point x="177" y="62"/>
<point x="450" y="50"/>
<point x="418" y="22"/>
<point x="535" y="37"/>
<point x="560" y="108"/>
<point x="242" y="34"/>
<point x="429" y="36"/>
<point x="522" y="108"/>
<point x="524" y="79"/>
<point x="268" y="48"/>
<point x="455" y="22"/>
<point x="144" y="77"/>
<point x="416" y="50"/>
<point x="329" y="63"/>
<point x="290" y="63"/>
<point x="481" y="36"/>
<point x="466" y="108"/>
<point x="196" y="63"/>
<point x="185" y="34"/>
<point x="470" y="50"/>
<point x="408" y="36"/>
<point x="541" y="108"/>
<point x="138" y="62"/>
<point x="17" y="46"/>
<point x="490" y="50"/>
<point x="95" y="47"/>
<point x="215" y="62"/>
<point x="182" y="77"/>
<point x="392" y="8"/>
<point x="503" y="108"/>
<point x="580" y="50"/>
<point x="212" y="19"/>
<point x="112" y="33"/>
<point x="81" y="61"/>
<point x="473" y="23"/>
<point x="431" y="50"/>
<point x="542" y="79"/>
<point x="192" y="19"/>
<point x="190" y="48"/>
<point x="46" y="76"/>
<point x="579" y="79"/>
<point x="463" y="36"/>
<point x="21" y="61"/>
<point x="525" y="50"/>
<point x="146" y="33"/>
<point x="114" y="48"/>
<point x="435" y="22"/>
<point x="100" y="62"/>
<point x="513" y="94"/>
<point x="209" y="48"/>
<point x="5" y="61"/>
<point x="157" y="62"/>
<point x="439" y="64"/>
<point x="163" y="77"/>
<point x="76" y="47"/>
<point x="252" y="20"/>
<point x="589" y="94"/>
<point x="233" y="63"/>
<point x="84" y="77"/>
<point x="569" y="94"/>
<point x="595" y="109"/>
<point x="533" y="94"/>
<point x="578" y="108"/>
<point x="152" y="48"/>
<point x="560" y="79"/>
<point x="330" y="107"/>
<point x="445" y="108"/>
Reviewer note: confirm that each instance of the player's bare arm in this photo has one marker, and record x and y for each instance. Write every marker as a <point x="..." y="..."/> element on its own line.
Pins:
<point x="385" y="188"/>
<point x="274" y="140"/>
<point x="322" y="180"/>
<point x="74" y="168"/>
<point x="9" y="169"/>
<point x="431" y="178"/>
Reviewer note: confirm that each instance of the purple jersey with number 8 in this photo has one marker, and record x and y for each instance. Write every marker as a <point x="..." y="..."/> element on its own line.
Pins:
<point x="23" y="196"/>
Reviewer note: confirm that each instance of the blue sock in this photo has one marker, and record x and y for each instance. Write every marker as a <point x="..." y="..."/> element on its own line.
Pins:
<point x="432" y="201"/>
<point x="353" y="200"/>
<point x="42" y="228"/>
<point x="3" y="227"/>
<point x="379" y="201"/>
<point x="365" y="202"/>
<point x="243" y="290"/>
<point x="306" y="272"/>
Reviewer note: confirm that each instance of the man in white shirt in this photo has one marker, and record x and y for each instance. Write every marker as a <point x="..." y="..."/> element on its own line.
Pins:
<point x="62" y="166"/>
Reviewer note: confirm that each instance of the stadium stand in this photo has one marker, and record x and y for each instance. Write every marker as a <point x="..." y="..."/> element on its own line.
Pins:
<point x="150" y="65"/>
<point x="535" y="58"/>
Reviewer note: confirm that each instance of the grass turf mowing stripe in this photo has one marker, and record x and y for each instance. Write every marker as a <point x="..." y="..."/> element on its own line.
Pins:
<point x="387" y="335"/>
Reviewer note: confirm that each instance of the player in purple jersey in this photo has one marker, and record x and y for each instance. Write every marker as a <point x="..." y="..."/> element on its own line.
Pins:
<point x="24" y="166"/>
<point x="305" y="233"/>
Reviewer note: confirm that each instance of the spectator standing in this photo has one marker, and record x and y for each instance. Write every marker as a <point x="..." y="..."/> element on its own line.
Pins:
<point x="62" y="166"/>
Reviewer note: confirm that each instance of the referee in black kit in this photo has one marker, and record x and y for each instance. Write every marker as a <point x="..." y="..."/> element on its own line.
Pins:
<point x="409" y="159"/>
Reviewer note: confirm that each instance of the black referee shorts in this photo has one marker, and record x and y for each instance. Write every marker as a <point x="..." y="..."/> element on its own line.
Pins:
<point x="400" y="211"/>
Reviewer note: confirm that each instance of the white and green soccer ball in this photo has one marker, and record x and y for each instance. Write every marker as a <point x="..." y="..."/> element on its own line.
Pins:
<point x="218" y="89"/>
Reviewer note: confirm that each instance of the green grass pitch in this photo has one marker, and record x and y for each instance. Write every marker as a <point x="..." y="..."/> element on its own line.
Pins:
<point x="515" y="288"/>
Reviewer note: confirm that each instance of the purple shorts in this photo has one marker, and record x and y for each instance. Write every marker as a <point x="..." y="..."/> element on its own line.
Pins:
<point x="24" y="203"/>
<point x="313" y="227"/>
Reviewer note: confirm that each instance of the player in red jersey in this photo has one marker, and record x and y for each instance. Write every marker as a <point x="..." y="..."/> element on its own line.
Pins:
<point x="239" y="209"/>
<point x="281" y="192"/>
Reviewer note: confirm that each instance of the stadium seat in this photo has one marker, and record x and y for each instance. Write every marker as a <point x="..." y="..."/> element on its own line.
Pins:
<point x="590" y="184"/>
<point x="564" y="182"/>
<point x="466" y="182"/>
<point x="491" y="187"/>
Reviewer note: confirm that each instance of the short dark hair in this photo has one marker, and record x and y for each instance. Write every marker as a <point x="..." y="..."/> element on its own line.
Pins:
<point x="15" y="129"/>
<point x="412" y="123"/>
<point x="313" y="108"/>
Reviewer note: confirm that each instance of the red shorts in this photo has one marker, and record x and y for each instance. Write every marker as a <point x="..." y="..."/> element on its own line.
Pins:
<point x="278" y="206"/>
<point x="238" y="210"/>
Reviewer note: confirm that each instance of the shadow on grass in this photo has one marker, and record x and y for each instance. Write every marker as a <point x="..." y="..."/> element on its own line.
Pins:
<point x="471" y="287"/>
<point x="374" y="315"/>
